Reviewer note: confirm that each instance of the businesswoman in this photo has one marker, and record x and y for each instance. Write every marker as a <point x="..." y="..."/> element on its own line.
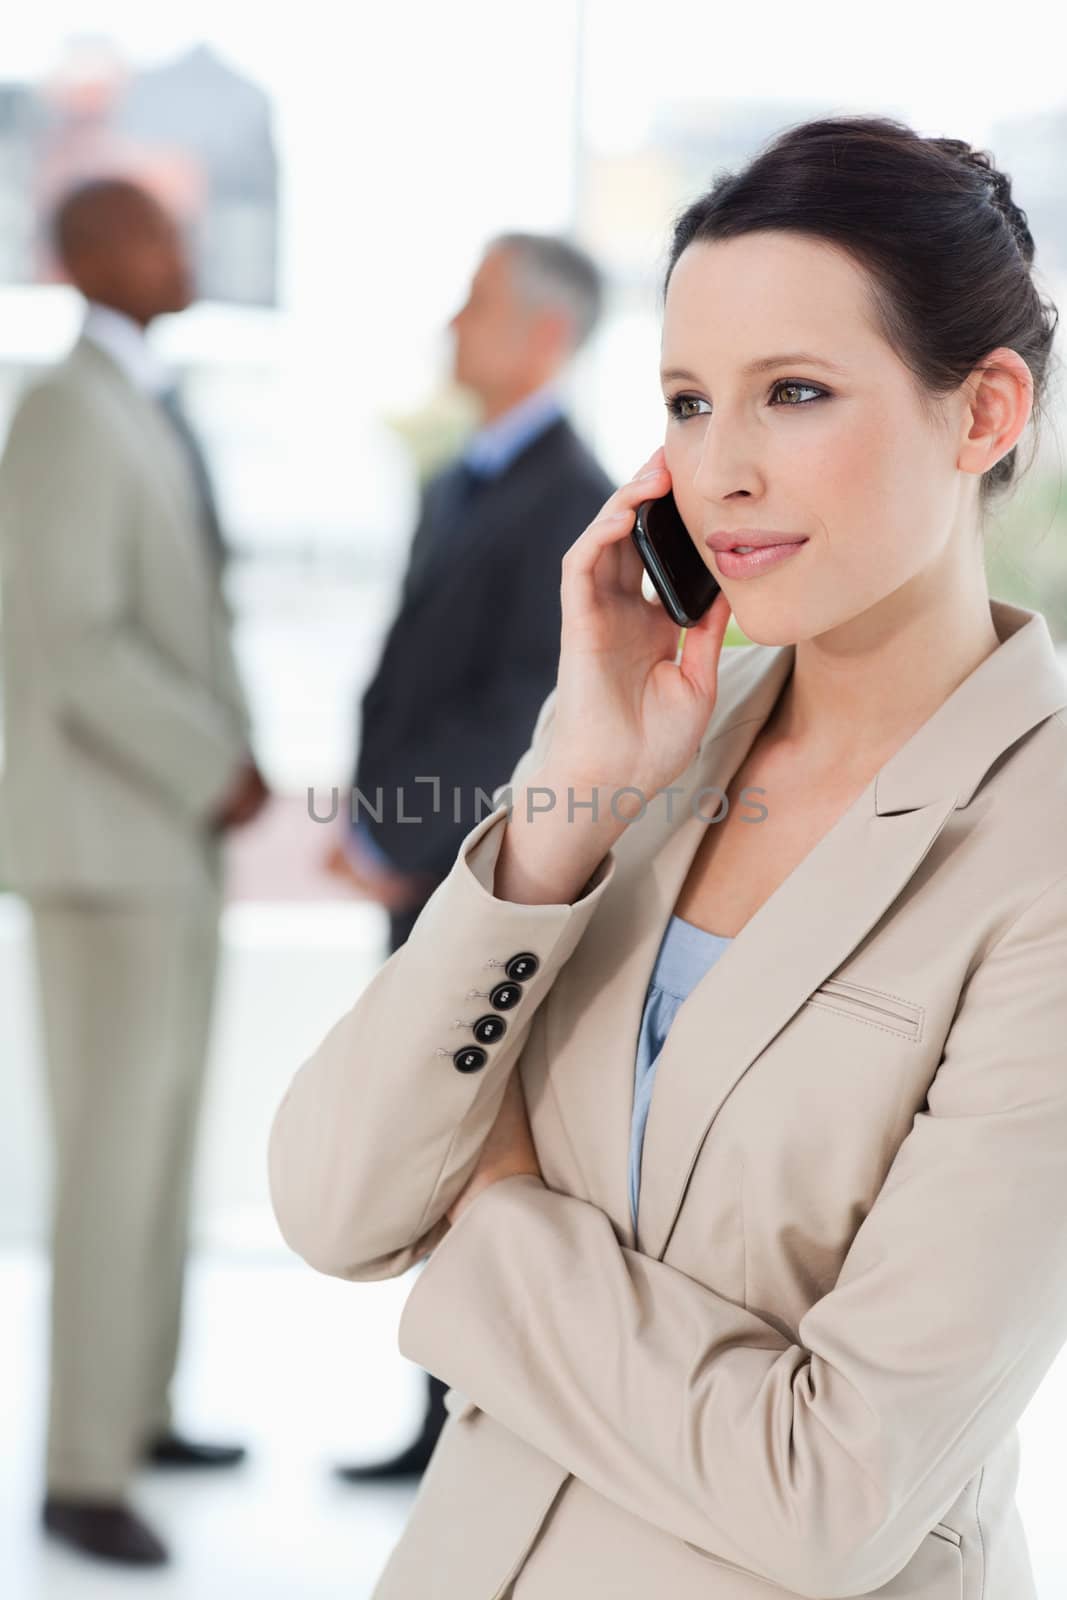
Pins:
<point x="738" y="1148"/>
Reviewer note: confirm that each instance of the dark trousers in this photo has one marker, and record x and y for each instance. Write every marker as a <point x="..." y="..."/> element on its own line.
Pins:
<point x="400" y="925"/>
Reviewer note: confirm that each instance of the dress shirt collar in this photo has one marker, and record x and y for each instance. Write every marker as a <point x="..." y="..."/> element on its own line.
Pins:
<point x="495" y="445"/>
<point x="123" y="339"/>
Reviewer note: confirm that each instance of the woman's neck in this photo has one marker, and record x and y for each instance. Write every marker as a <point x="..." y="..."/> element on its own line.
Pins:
<point x="851" y="701"/>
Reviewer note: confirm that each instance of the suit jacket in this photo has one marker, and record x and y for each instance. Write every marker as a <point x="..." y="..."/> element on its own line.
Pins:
<point x="473" y="649"/>
<point x="125" y="718"/>
<point x="851" y="1274"/>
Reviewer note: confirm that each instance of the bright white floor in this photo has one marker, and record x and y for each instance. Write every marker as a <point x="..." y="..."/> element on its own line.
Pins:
<point x="301" y="1368"/>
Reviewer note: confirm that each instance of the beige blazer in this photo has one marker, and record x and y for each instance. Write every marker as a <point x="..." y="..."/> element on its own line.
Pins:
<point x="124" y="716"/>
<point x="851" y="1270"/>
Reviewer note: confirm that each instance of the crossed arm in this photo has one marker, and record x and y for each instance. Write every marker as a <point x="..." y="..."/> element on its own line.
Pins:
<point x="819" y="1463"/>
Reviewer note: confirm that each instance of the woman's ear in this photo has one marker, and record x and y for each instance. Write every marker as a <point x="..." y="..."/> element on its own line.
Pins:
<point x="1001" y="399"/>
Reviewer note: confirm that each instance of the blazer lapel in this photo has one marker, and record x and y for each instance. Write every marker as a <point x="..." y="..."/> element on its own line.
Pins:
<point x="438" y="535"/>
<point x="153" y="437"/>
<point x="489" y="512"/>
<point x="593" y="1014"/>
<point x="798" y="937"/>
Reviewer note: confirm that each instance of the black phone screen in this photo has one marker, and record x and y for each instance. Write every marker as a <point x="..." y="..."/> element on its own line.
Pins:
<point x="683" y="582"/>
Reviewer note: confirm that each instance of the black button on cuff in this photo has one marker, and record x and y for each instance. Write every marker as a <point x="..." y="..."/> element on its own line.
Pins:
<point x="522" y="966"/>
<point x="490" y="1028"/>
<point x="470" y="1059"/>
<point x="506" y="995"/>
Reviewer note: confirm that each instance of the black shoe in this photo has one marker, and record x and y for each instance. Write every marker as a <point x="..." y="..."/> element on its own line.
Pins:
<point x="410" y="1463"/>
<point x="106" y="1529"/>
<point x="171" y="1450"/>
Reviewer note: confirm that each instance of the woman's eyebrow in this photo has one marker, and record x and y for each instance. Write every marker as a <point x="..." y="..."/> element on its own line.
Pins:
<point x="763" y="364"/>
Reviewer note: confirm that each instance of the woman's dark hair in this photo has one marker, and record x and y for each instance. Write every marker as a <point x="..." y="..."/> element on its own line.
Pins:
<point x="948" y="253"/>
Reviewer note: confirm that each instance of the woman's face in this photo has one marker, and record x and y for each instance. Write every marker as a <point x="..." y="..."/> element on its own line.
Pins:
<point x="846" y="457"/>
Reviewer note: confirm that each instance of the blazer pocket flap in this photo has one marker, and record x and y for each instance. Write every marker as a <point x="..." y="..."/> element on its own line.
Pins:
<point x="879" y="1007"/>
<point x="457" y="1403"/>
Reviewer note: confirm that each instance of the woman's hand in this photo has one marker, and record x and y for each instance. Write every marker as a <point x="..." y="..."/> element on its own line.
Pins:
<point x="508" y="1151"/>
<point x="625" y="712"/>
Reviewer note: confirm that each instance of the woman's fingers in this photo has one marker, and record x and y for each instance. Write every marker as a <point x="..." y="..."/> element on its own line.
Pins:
<point x="702" y="647"/>
<point x="611" y="527"/>
<point x="651" y="481"/>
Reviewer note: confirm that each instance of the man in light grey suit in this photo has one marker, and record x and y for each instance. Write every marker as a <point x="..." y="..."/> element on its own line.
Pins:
<point x="127" y="757"/>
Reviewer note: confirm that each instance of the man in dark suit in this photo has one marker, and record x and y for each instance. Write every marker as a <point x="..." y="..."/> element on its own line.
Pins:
<point x="474" y="647"/>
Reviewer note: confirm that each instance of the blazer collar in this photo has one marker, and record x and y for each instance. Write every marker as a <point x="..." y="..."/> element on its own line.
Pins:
<point x="1016" y="687"/>
<point x="801" y="934"/>
<point x="100" y="365"/>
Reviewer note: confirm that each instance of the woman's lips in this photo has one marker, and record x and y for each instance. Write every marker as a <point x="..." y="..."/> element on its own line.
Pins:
<point x="732" y="565"/>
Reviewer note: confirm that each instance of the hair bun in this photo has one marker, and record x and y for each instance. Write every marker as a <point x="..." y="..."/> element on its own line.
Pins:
<point x="1017" y="218"/>
<point x="999" y="191"/>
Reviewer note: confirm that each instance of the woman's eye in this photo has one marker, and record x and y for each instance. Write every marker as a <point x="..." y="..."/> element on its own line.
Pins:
<point x="795" y="383"/>
<point x="678" y="404"/>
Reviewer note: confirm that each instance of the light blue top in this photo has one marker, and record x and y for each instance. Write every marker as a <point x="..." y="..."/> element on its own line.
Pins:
<point x="686" y="952"/>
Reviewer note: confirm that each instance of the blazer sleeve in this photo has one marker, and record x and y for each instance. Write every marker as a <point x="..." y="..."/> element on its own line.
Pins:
<point x="69" y="529"/>
<point x="379" y="1131"/>
<point x="818" y="1463"/>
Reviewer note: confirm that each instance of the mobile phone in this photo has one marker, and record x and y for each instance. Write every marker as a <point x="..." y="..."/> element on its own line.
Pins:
<point x="685" y="585"/>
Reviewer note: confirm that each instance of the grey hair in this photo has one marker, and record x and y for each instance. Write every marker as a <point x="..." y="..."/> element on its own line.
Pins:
<point x="550" y="271"/>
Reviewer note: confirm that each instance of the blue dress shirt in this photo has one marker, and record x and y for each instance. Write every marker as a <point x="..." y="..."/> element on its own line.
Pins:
<point x="686" y="952"/>
<point x="488" y="453"/>
<point x="496" y="444"/>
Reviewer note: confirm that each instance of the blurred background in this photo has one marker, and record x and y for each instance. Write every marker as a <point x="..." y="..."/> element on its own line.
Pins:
<point x="340" y="170"/>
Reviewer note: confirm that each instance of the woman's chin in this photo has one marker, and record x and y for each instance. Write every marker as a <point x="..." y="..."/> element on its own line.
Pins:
<point x="764" y="625"/>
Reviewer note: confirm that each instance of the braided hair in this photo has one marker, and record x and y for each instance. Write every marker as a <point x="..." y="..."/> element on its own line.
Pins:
<point x="998" y="188"/>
